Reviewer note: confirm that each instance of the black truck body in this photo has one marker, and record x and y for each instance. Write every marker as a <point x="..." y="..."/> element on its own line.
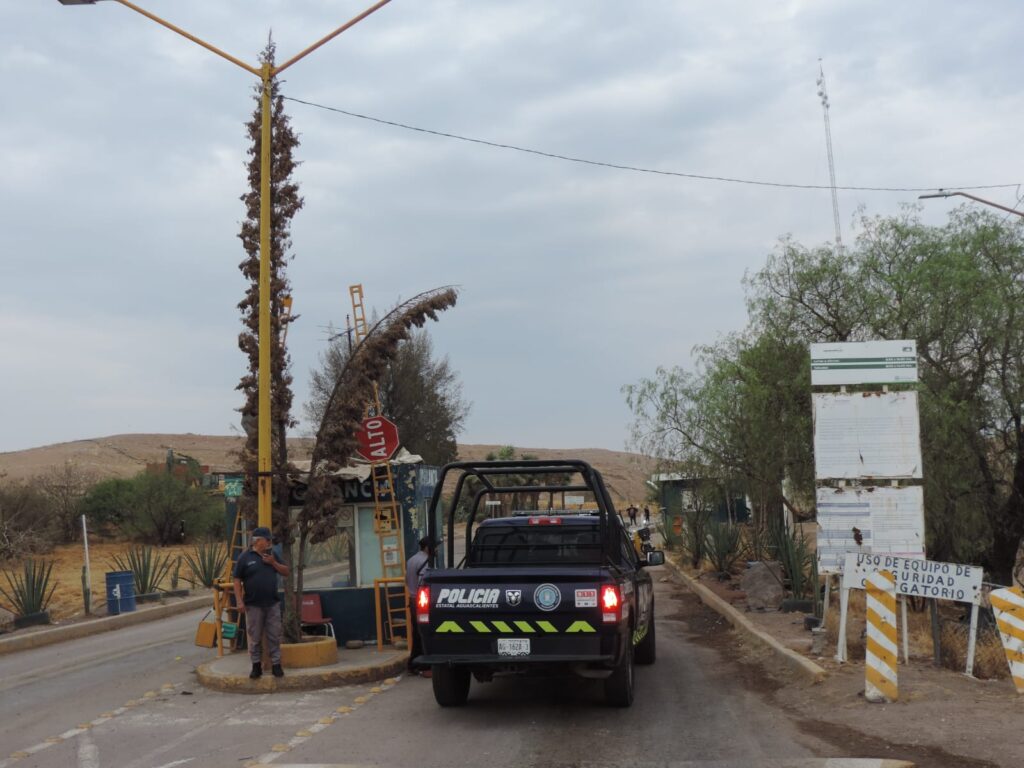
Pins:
<point x="541" y="589"/>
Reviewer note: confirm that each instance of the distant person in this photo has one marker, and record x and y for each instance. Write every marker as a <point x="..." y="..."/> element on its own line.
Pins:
<point x="255" y="579"/>
<point x="647" y="515"/>
<point x="414" y="568"/>
<point x="632" y="514"/>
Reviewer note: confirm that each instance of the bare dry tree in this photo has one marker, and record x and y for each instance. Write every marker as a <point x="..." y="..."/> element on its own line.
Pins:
<point x="342" y="417"/>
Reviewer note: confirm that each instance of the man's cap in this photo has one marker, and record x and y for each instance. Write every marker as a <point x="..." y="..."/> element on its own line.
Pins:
<point x="261" y="533"/>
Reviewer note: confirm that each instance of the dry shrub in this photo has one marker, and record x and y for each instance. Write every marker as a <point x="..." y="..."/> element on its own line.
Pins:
<point x="989" y="657"/>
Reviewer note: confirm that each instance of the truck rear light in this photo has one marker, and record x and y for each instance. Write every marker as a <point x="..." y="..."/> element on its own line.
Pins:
<point x="611" y="604"/>
<point x="423" y="605"/>
<point x="545" y="521"/>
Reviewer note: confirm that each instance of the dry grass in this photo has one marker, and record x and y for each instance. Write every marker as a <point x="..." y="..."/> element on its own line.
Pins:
<point x="67" y="574"/>
<point x="989" y="659"/>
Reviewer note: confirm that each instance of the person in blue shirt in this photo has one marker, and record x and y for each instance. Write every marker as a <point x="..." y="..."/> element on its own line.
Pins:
<point x="255" y="578"/>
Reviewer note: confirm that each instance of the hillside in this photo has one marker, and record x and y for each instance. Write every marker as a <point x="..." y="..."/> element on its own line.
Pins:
<point x="125" y="455"/>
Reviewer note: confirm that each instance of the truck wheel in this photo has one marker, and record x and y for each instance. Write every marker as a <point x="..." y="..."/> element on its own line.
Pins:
<point x="618" y="688"/>
<point x="646" y="651"/>
<point x="451" y="685"/>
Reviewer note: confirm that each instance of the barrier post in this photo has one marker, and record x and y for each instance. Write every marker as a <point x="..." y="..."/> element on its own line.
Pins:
<point x="1008" y="606"/>
<point x="882" y="649"/>
<point x="844" y="604"/>
<point x="972" y="641"/>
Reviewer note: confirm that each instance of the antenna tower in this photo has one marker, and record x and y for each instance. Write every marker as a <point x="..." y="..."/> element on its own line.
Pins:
<point x="823" y="95"/>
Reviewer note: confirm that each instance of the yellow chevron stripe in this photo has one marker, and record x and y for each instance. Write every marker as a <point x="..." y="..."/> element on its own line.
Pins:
<point x="887" y="629"/>
<point x="448" y="626"/>
<point x="480" y="626"/>
<point x="501" y="626"/>
<point x="1019" y="682"/>
<point x="1006" y="605"/>
<point x="580" y="626"/>
<point x="1006" y="628"/>
<point x="882" y="683"/>
<point x="881" y="654"/>
<point x="886" y="599"/>
<point x="547" y="626"/>
<point x="1015" y="656"/>
<point x="524" y="626"/>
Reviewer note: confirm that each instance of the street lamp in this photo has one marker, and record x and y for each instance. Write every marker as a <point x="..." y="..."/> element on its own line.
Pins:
<point x="943" y="193"/>
<point x="266" y="73"/>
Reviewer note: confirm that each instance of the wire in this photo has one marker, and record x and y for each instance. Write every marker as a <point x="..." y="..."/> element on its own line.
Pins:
<point x="636" y="169"/>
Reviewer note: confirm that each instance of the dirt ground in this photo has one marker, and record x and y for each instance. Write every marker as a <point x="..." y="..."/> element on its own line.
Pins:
<point x="943" y="719"/>
<point x="67" y="574"/>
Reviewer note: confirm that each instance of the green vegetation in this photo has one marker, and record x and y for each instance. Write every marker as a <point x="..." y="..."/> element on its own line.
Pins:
<point x="742" y="413"/>
<point x="30" y="591"/>
<point x="148" y="568"/>
<point x="153" y="507"/>
<point x="206" y="561"/>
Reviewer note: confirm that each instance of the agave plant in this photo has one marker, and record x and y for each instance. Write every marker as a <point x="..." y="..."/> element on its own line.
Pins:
<point x="29" y="591"/>
<point x="206" y="561"/>
<point x="723" y="546"/>
<point x="148" y="567"/>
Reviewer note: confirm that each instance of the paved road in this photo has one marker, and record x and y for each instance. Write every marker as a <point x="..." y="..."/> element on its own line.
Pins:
<point x="128" y="699"/>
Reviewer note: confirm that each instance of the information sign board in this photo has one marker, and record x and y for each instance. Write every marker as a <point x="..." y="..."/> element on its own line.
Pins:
<point x="881" y="521"/>
<point x="864" y="362"/>
<point x="866" y="435"/>
<point x="917" y="577"/>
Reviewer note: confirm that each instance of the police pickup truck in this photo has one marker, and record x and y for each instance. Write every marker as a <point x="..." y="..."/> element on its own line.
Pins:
<point x="540" y="589"/>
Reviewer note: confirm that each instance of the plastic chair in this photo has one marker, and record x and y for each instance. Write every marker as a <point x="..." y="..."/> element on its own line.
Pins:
<point x="313" y="615"/>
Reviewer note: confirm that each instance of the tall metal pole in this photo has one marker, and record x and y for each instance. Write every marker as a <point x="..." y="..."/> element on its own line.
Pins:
<point x="823" y="95"/>
<point x="264" y="485"/>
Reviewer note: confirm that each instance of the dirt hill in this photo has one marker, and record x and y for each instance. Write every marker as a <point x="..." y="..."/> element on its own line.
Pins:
<point x="125" y="455"/>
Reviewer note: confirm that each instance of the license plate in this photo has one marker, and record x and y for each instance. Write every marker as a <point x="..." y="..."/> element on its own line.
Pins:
<point x="508" y="646"/>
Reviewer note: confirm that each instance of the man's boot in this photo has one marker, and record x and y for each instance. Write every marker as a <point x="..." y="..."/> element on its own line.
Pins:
<point x="257" y="670"/>
<point x="276" y="669"/>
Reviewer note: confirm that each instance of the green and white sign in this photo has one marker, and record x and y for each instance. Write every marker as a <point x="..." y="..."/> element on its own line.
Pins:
<point x="233" y="487"/>
<point x="864" y="362"/>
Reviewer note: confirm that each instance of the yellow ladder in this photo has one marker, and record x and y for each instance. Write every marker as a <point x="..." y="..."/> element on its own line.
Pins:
<point x="387" y="517"/>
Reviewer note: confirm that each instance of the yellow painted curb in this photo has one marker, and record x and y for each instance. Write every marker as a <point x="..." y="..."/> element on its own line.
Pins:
<point x="799" y="664"/>
<point x="310" y="653"/>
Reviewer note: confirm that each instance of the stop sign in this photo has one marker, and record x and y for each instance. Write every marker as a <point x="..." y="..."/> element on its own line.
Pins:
<point x="378" y="438"/>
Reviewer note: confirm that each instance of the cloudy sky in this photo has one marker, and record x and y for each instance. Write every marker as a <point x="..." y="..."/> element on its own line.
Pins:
<point x="121" y="165"/>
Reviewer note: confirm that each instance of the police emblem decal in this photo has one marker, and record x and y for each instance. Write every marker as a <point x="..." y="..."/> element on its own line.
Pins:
<point x="547" y="597"/>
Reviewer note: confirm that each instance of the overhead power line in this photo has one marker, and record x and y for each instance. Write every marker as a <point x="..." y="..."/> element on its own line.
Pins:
<point x="634" y="168"/>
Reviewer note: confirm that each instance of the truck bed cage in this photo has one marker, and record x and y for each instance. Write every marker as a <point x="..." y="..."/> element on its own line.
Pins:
<point x="527" y="476"/>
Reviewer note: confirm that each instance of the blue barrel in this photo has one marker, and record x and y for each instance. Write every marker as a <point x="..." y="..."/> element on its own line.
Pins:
<point x="120" y="592"/>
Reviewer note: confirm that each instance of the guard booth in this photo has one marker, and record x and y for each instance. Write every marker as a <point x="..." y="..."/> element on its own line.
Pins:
<point x="342" y="570"/>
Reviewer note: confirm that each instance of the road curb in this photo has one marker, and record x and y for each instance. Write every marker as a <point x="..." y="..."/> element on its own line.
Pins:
<point x="98" y="626"/>
<point x="801" y="665"/>
<point x="299" y="679"/>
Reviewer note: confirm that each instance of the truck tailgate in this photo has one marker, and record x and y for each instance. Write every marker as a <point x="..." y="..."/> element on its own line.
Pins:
<point x="484" y="615"/>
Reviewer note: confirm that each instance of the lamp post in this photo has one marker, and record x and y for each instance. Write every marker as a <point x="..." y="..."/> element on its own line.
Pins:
<point x="266" y="73"/>
<point x="943" y="193"/>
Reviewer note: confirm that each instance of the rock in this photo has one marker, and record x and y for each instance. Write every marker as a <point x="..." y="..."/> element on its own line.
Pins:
<point x="353" y="645"/>
<point x="763" y="584"/>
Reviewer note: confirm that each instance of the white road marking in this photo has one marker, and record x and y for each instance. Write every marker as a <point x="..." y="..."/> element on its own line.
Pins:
<point x="88" y="752"/>
<point x="177" y="762"/>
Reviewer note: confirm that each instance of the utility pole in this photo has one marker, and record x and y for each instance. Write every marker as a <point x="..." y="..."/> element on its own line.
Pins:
<point x="823" y="95"/>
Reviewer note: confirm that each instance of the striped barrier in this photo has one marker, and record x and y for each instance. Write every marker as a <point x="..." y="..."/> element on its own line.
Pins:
<point x="1008" y="606"/>
<point x="882" y="651"/>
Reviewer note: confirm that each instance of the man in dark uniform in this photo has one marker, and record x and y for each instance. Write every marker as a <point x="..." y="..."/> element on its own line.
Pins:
<point x="256" y="575"/>
<point x="414" y="568"/>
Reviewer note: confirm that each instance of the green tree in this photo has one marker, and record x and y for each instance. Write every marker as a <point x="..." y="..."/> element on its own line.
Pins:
<point x="420" y="392"/>
<point x="958" y="289"/>
<point x="109" y="502"/>
<point x="153" y="507"/>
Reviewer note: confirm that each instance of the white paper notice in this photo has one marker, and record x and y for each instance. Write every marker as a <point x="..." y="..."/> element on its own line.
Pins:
<point x="880" y="521"/>
<point x="866" y="435"/>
